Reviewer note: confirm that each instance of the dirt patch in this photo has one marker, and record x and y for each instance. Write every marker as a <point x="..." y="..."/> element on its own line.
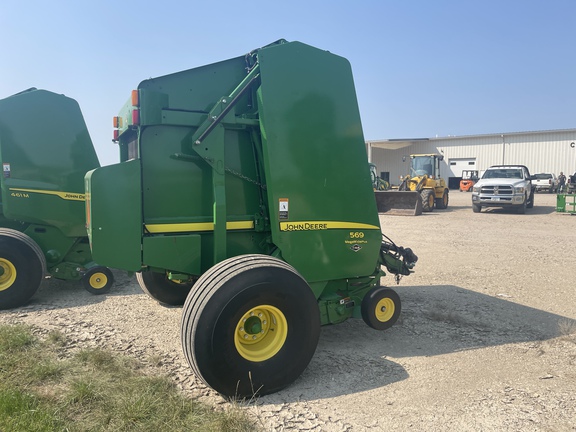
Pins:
<point x="486" y="339"/>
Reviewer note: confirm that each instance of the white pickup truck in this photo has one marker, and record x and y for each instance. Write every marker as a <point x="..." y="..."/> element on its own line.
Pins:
<point x="504" y="186"/>
<point x="545" y="182"/>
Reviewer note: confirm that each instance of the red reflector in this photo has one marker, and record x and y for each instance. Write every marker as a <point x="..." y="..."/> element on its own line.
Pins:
<point x="135" y="98"/>
<point x="116" y="134"/>
<point x="136" y="117"/>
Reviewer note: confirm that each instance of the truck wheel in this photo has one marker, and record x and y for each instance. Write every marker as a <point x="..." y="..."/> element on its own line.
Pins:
<point x="442" y="203"/>
<point x="476" y="208"/>
<point x="381" y="308"/>
<point x="22" y="268"/>
<point x="428" y="200"/>
<point x="250" y="326"/>
<point x="98" y="280"/>
<point x="530" y="202"/>
<point x="162" y="289"/>
<point x="521" y="209"/>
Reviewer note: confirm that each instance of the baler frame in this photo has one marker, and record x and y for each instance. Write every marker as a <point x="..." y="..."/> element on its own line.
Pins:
<point x="260" y="152"/>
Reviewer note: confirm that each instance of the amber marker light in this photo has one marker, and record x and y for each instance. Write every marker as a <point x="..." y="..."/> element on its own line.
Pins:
<point x="135" y="98"/>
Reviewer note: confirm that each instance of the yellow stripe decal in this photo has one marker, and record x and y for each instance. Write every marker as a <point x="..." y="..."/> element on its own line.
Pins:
<point x="70" y="196"/>
<point x="193" y="227"/>
<point x="324" y="225"/>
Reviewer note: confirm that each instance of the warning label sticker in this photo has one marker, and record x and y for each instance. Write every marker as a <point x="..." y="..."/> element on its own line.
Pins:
<point x="6" y="170"/>
<point x="283" y="208"/>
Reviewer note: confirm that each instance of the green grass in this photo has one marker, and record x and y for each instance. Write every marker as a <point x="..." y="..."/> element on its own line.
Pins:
<point x="94" y="390"/>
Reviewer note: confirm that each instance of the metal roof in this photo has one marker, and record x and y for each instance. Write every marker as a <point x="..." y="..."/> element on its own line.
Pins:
<point x="398" y="143"/>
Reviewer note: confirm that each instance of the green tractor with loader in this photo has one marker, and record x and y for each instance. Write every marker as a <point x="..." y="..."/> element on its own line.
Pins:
<point x="244" y="193"/>
<point x="45" y="150"/>
<point x="378" y="183"/>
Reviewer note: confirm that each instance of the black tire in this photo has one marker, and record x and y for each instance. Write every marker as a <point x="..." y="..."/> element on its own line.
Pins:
<point x="476" y="208"/>
<point x="98" y="280"/>
<point x="442" y="203"/>
<point x="530" y="202"/>
<point x="271" y="297"/>
<point x="162" y="289"/>
<point x="22" y="268"/>
<point x="428" y="200"/>
<point x="521" y="209"/>
<point x="381" y="308"/>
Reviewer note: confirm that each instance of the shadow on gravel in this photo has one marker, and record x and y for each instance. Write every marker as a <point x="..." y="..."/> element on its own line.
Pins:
<point x="435" y="320"/>
<point x="450" y="209"/>
<point x="459" y="319"/>
<point x="536" y="210"/>
<point x="352" y="358"/>
<point x="60" y="294"/>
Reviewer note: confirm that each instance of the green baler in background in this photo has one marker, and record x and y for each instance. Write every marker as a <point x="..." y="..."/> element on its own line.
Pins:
<point x="45" y="151"/>
<point x="244" y="192"/>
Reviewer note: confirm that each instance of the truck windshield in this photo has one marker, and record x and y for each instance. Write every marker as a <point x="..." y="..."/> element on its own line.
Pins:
<point x="503" y="173"/>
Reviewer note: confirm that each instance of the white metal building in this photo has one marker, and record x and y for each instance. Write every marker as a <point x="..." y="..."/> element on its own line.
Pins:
<point x="545" y="151"/>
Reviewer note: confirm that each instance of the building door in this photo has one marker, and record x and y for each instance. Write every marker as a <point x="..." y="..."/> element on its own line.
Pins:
<point x="456" y="166"/>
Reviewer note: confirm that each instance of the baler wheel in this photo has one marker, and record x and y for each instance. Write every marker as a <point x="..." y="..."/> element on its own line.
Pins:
<point x="98" y="280"/>
<point x="162" y="289"/>
<point x="21" y="268"/>
<point x="381" y="308"/>
<point x="250" y="326"/>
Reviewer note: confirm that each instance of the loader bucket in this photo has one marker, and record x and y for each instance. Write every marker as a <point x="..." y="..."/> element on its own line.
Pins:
<point x="398" y="203"/>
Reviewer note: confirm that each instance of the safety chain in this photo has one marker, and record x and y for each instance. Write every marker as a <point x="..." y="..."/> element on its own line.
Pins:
<point x="243" y="177"/>
<point x="237" y="174"/>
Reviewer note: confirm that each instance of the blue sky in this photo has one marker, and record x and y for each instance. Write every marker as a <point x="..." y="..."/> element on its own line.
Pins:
<point x="422" y="68"/>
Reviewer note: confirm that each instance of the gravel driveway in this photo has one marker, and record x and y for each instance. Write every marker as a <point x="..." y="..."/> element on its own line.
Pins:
<point x="486" y="340"/>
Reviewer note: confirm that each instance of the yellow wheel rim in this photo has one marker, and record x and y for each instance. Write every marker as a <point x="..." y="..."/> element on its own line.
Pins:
<point x="385" y="309"/>
<point x="260" y="333"/>
<point x="98" y="280"/>
<point x="7" y="274"/>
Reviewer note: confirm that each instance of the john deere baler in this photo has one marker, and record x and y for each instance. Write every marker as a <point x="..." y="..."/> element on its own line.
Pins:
<point x="244" y="193"/>
<point x="45" y="151"/>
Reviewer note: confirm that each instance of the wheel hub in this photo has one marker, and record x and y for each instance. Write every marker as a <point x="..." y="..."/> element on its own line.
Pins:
<point x="260" y="333"/>
<point x="385" y="309"/>
<point x="253" y="325"/>
<point x="7" y="274"/>
<point x="98" y="280"/>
